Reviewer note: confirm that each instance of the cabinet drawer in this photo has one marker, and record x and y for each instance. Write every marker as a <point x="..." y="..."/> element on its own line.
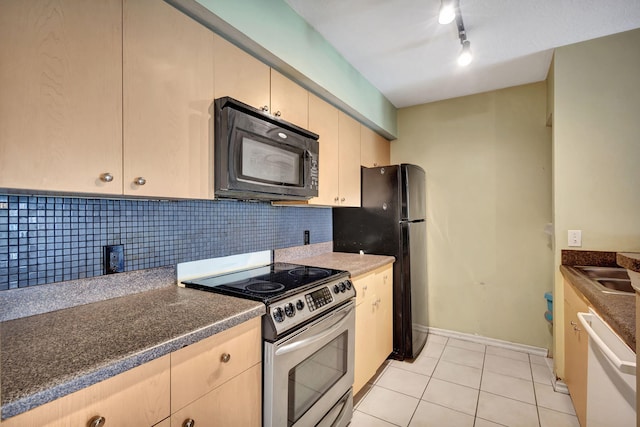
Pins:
<point x="138" y="397"/>
<point x="238" y="402"/>
<point x="373" y="282"/>
<point x="200" y="367"/>
<point x="363" y="285"/>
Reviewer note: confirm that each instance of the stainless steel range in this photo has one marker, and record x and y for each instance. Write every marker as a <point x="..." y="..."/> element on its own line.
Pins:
<point x="308" y="339"/>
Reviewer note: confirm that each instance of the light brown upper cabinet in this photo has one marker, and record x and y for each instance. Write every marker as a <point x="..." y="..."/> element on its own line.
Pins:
<point x="339" y="154"/>
<point x="168" y="95"/>
<point x="323" y="120"/>
<point x="241" y="76"/>
<point x="349" y="170"/>
<point x="374" y="149"/>
<point x="61" y="96"/>
<point x="289" y="101"/>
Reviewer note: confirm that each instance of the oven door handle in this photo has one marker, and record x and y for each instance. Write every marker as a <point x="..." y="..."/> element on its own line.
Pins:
<point x="314" y="338"/>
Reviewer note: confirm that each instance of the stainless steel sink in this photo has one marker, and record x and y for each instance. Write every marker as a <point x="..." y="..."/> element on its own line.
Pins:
<point x="611" y="280"/>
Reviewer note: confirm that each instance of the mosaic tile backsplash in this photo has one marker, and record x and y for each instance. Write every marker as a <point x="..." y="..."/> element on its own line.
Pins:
<point x="52" y="239"/>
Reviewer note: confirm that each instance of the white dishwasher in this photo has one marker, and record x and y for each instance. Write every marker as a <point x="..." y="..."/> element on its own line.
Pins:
<point x="611" y="376"/>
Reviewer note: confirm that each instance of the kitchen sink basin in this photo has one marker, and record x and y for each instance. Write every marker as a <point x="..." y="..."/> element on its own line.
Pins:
<point x="604" y="272"/>
<point x="617" y="285"/>
<point x="611" y="280"/>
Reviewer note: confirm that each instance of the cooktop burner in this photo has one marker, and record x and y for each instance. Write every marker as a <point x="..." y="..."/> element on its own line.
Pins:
<point x="268" y="283"/>
<point x="315" y="272"/>
<point x="261" y="286"/>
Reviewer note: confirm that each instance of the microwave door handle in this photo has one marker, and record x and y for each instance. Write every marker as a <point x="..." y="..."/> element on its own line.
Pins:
<point x="314" y="338"/>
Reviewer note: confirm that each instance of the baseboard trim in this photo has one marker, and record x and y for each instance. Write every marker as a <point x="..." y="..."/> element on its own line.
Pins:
<point x="524" y="348"/>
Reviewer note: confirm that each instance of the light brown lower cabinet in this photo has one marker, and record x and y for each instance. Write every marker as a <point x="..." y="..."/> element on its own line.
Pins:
<point x="210" y="381"/>
<point x="575" y="351"/>
<point x="238" y="402"/>
<point x="138" y="397"/>
<point x="374" y="323"/>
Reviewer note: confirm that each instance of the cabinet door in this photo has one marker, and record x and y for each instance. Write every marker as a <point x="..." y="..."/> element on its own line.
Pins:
<point x="168" y="92"/>
<point x="384" y="313"/>
<point x="364" y="364"/>
<point x="240" y="75"/>
<point x="138" y="397"/>
<point x="323" y="120"/>
<point x="576" y="351"/>
<point x="349" y="170"/>
<point x="238" y="402"/>
<point x="289" y="101"/>
<point x="61" y="95"/>
<point x="201" y="367"/>
<point x="374" y="149"/>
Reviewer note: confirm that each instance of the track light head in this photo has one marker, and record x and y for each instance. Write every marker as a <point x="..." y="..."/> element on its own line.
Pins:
<point x="447" y="12"/>
<point x="465" y="56"/>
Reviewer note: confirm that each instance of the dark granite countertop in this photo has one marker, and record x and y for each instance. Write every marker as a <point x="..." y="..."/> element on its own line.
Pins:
<point x="619" y="311"/>
<point x="355" y="264"/>
<point x="629" y="260"/>
<point x="46" y="356"/>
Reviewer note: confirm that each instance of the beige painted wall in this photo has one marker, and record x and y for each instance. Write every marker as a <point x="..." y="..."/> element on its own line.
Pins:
<point x="488" y="164"/>
<point x="596" y="149"/>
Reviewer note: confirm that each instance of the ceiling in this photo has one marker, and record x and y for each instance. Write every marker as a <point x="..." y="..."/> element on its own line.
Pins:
<point x="399" y="46"/>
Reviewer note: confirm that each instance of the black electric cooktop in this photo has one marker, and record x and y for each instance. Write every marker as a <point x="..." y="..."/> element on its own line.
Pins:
<point x="268" y="283"/>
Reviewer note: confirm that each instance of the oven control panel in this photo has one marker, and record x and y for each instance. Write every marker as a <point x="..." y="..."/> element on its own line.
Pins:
<point x="292" y="311"/>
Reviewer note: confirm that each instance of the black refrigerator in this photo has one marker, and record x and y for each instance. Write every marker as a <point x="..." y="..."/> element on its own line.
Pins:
<point x="391" y="221"/>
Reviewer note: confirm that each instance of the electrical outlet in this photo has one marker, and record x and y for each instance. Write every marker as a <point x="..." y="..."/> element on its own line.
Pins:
<point x="113" y="259"/>
<point x="306" y="237"/>
<point x="575" y="238"/>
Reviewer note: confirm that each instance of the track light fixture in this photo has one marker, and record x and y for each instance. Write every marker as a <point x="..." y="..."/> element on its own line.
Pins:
<point x="450" y="10"/>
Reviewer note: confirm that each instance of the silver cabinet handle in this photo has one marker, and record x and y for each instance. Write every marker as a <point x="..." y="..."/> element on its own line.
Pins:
<point x="140" y="181"/>
<point x="97" y="421"/>
<point x="189" y="422"/>
<point x="265" y="108"/>
<point x="573" y="323"/>
<point x="336" y="199"/>
<point x="106" y="177"/>
<point x="342" y="200"/>
<point x="225" y="357"/>
<point x="277" y="113"/>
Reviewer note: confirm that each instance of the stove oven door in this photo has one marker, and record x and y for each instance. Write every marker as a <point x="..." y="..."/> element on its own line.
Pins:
<point x="308" y="376"/>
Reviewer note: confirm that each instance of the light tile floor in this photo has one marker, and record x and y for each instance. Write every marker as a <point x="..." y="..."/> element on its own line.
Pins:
<point x="456" y="383"/>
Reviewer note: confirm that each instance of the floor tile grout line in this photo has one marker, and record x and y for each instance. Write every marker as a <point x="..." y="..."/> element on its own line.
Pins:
<point x="428" y="382"/>
<point x="475" y="417"/>
<point x="535" y="395"/>
<point x="383" y="420"/>
<point x="440" y="359"/>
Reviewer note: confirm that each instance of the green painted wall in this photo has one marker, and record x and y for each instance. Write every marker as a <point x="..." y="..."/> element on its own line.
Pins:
<point x="281" y="31"/>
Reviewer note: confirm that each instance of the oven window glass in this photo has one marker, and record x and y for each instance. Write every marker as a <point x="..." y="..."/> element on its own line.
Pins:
<point x="312" y="378"/>
<point x="268" y="163"/>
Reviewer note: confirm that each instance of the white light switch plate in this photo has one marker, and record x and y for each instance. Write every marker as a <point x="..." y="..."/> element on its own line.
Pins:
<point x="575" y="238"/>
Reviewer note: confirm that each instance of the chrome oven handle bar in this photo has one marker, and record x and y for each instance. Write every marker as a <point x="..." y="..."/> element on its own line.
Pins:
<point x="317" y="337"/>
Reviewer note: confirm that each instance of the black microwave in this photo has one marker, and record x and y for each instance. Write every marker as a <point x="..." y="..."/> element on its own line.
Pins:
<point x="260" y="157"/>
